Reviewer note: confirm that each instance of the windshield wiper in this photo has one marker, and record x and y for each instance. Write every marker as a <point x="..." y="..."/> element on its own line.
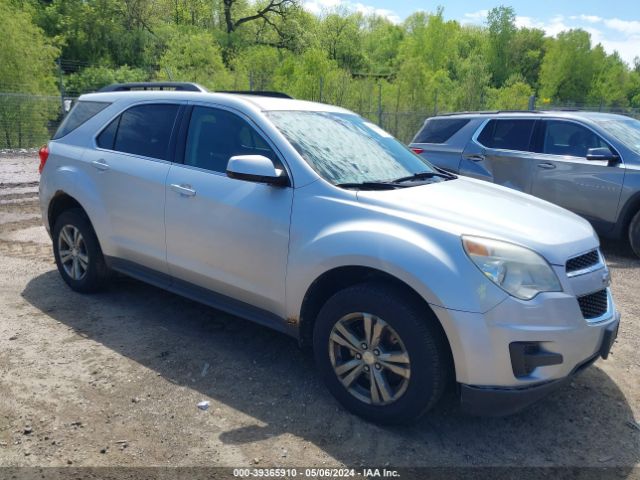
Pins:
<point x="424" y="176"/>
<point x="370" y="185"/>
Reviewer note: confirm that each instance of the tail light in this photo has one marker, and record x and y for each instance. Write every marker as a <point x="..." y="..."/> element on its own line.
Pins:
<point x="417" y="150"/>
<point x="43" y="153"/>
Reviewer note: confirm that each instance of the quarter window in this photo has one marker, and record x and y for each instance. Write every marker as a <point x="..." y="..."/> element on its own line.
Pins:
<point x="217" y="135"/>
<point x="439" y="130"/>
<point x="568" y="138"/>
<point x="143" y="130"/>
<point x="79" y="114"/>
<point x="507" y="134"/>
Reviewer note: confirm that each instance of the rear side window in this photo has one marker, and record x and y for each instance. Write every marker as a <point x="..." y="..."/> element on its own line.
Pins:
<point x="80" y="113"/>
<point x="507" y="134"/>
<point x="439" y="130"/>
<point x="144" y="130"/>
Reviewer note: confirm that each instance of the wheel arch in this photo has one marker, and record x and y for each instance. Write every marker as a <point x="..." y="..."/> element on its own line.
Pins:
<point x="61" y="202"/>
<point x="628" y="211"/>
<point x="338" y="278"/>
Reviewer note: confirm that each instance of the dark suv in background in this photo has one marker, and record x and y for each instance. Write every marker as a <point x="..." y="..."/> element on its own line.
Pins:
<point x="587" y="162"/>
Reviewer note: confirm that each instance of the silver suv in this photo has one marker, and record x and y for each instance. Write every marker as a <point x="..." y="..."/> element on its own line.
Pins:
<point x="587" y="162"/>
<point x="304" y="217"/>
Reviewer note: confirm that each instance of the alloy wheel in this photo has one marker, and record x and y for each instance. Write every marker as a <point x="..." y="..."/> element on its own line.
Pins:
<point x="73" y="252"/>
<point x="369" y="358"/>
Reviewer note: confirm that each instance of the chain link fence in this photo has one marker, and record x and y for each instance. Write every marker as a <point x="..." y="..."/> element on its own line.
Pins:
<point x="28" y="121"/>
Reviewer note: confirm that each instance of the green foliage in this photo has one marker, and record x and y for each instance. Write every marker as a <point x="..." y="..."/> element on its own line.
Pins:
<point x="27" y="74"/>
<point x="567" y="67"/>
<point x="366" y="63"/>
<point x="194" y="57"/>
<point x="514" y="95"/>
<point x="91" y="79"/>
<point x="501" y="27"/>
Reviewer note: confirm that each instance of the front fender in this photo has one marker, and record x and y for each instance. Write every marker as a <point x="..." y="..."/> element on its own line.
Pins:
<point x="432" y="263"/>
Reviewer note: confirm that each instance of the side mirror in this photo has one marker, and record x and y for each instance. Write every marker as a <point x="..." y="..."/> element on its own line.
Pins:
<point x="604" y="154"/>
<point x="256" y="168"/>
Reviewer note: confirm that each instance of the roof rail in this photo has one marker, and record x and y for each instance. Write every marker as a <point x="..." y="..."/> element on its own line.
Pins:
<point x="176" y="86"/>
<point x="261" y="93"/>
<point x="487" y="112"/>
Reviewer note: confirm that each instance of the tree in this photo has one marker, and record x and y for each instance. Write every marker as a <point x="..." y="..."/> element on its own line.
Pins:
<point x="26" y="79"/>
<point x="193" y="56"/>
<point x="501" y="25"/>
<point x="567" y="67"/>
<point x="610" y="80"/>
<point x="513" y="95"/>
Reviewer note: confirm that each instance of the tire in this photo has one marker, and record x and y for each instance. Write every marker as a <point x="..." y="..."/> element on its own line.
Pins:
<point x="84" y="251"/>
<point x="634" y="234"/>
<point x="418" y="335"/>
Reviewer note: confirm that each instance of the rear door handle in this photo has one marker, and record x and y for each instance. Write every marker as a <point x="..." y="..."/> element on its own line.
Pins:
<point x="184" y="190"/>
<point x="100" y="165"/>
<point x="476" y="157"/>
<point x="546" y="165"/>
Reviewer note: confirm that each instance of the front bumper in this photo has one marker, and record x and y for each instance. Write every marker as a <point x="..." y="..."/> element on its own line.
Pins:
<point x="497" y="401"/>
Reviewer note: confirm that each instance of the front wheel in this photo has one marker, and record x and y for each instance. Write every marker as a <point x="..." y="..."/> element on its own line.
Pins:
<point x="380" y="353"/>
<point x="634" y="233"/>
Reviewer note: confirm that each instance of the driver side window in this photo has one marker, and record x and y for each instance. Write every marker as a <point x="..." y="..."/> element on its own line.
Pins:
<point x="569" y="139"/>
<point x="216" y="135"/>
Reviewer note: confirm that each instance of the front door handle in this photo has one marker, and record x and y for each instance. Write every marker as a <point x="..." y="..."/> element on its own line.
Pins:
<point x="100" y="165"/>
<point x="476" y="157"/>
<point x="546" y="165"/>
<point x="184" y="190"/>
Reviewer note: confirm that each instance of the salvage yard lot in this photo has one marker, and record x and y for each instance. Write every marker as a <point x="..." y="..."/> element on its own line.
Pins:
<point x="114" y="379"/>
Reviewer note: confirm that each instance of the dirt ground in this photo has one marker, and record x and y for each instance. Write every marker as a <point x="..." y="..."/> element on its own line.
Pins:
<point x="114" y="379"/>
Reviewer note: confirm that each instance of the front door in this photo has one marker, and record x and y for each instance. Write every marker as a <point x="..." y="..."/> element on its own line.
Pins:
<point x="590" y="188"/>
<point x="225" y="235"/>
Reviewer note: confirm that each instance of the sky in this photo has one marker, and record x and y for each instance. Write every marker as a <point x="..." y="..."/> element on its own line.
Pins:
<point x="614" y="23"/>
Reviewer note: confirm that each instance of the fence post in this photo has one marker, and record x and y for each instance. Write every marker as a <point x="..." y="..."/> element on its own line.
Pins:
<point x="251" y="80"/>
<point x="380" y="103"/>
<point x="61" y="86"/>
<point x="321" y="87"/>
<point x="532" y="102"/>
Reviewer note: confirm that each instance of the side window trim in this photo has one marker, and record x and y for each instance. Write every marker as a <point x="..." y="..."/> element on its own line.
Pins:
<point x="181" y="106"/>
<point x="482" y="126"/>
<point x="181" y="146"/>
<point x="557" y="157"/>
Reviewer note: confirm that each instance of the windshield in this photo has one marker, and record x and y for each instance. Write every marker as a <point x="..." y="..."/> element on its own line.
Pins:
<point x="344" y="148"/>
<point x="626" y="130"/>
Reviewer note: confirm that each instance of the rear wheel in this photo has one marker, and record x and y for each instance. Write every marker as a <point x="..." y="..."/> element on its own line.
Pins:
<point x="380" y="353"/>
<point x="634" y="233"/>
<point x="77" y="252"/>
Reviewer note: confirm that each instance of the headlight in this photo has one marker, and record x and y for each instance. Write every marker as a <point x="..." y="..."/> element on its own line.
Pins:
<point x="517" y="270"/>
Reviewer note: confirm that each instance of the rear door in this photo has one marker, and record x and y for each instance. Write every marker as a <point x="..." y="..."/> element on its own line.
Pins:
<point x="130" y="166"/>
<point x="563" y="175"/>
<point x="501" y="152"/>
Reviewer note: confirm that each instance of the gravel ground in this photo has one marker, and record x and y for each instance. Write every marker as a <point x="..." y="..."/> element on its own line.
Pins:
<point x="114" y="379"/>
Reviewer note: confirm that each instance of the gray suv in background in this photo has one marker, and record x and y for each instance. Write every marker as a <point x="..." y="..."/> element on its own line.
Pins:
<point x="586" y="162"/>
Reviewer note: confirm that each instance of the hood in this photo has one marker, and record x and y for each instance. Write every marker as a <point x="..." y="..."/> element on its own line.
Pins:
<point x="475" y="207"/>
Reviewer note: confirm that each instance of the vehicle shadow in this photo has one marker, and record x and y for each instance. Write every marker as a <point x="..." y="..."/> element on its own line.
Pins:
<point x="264" y="375"/>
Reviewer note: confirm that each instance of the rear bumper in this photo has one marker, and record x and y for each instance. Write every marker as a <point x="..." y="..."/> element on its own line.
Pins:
<point x="500" y="401"/>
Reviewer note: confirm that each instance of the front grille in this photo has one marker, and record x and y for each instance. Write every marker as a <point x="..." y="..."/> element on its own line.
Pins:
<point x="594" y="305"/>
<point x="583" y="261"/>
